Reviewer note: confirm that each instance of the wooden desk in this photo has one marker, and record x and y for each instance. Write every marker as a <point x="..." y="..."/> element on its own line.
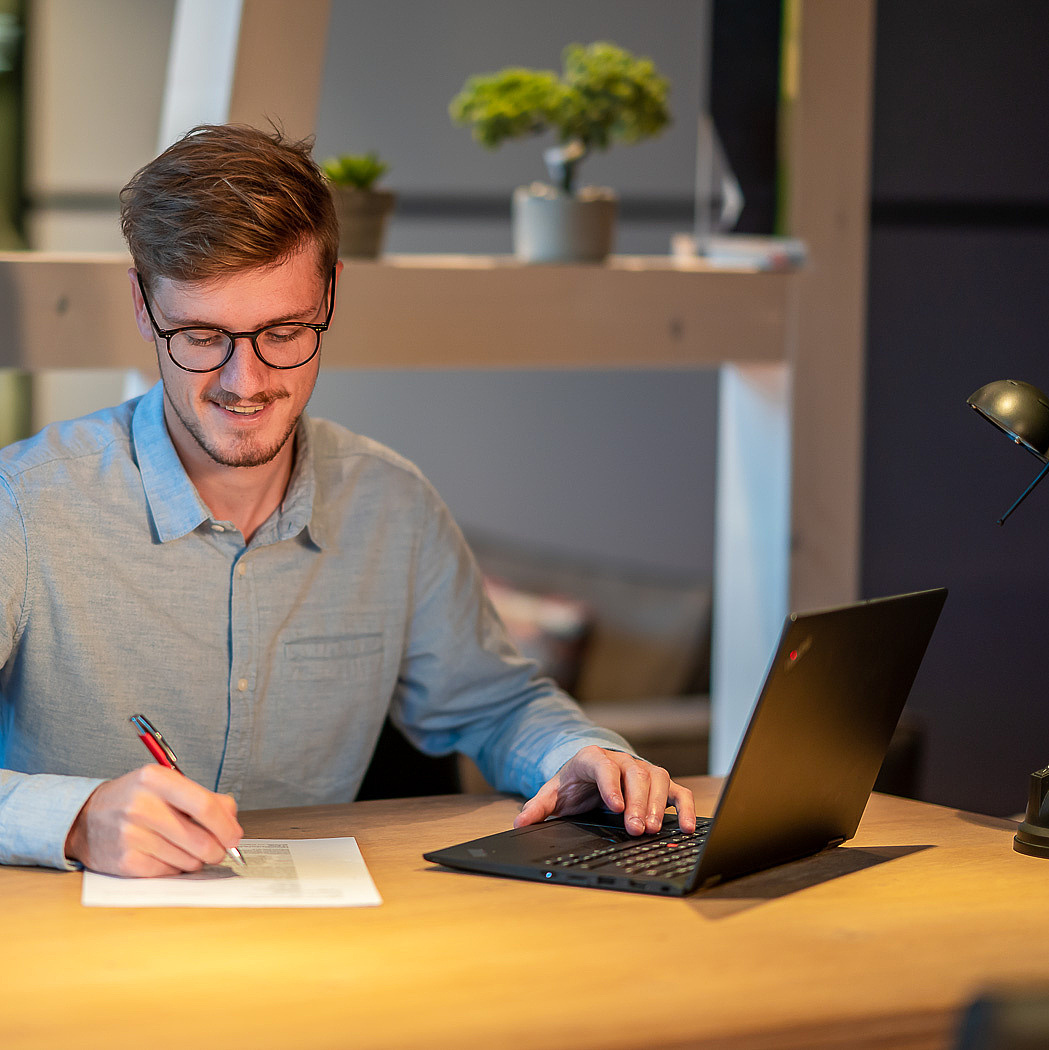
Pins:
<point x="877" y="943"/>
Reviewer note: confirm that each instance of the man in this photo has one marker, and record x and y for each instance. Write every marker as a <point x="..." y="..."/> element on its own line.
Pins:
<point x="264" y="586"/>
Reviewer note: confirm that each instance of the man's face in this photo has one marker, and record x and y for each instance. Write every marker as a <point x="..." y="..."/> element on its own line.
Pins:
<point x="243" y="414"/>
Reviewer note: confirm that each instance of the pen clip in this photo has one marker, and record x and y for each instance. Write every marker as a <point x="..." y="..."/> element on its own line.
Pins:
<point x="157" y="745"/>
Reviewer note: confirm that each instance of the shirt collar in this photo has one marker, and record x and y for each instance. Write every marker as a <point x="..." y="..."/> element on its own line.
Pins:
<point x="174" y="503"/>
<point x="298" y="512"/>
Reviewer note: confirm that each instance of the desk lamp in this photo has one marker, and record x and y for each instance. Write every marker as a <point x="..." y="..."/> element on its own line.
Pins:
<point x="1022" y="411"/>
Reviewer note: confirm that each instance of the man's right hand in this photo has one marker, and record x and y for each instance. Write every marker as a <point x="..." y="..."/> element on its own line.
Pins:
<point x="152" y="821"/>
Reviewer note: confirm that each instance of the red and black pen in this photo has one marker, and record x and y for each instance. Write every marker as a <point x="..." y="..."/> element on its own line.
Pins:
<point x="159" y="748"/>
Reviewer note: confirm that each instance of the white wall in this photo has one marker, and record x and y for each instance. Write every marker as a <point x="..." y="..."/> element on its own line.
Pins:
<point x="94" y="86"/>
<point x="613" y="466"/>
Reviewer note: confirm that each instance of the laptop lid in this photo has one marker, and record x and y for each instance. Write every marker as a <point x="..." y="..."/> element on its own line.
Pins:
<point x="831" y="699"/>
<point x="820" y="730"/>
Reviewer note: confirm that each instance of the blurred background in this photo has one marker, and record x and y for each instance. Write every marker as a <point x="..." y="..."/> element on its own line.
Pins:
<point x="611" y="475"/>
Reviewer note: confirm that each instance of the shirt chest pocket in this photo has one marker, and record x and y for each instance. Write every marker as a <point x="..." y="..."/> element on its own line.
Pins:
<point x="345" y="658"/>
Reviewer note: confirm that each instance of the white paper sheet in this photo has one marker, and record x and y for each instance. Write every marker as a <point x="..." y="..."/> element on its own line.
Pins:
<point x="279" y="873"/>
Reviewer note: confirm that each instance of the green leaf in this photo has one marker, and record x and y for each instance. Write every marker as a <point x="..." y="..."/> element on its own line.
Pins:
<point x="362" y="170"/>
<point x="605" y="95"/>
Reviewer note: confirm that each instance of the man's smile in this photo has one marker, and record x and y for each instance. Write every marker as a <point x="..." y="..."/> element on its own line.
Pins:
<point x="243" y="410"/>
<point x="230" y="405"/>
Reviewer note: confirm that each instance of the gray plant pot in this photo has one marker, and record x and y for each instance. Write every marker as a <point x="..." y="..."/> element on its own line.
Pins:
<point x="362" y="220"/>
<point x="550" y="226"/>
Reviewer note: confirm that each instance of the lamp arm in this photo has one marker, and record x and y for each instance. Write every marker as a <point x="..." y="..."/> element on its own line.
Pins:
<point x="1023" y="495"/>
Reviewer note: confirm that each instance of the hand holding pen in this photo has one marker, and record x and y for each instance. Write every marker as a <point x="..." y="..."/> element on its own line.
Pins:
<point x="158" y="747"/>
<point x="152" y="821"/>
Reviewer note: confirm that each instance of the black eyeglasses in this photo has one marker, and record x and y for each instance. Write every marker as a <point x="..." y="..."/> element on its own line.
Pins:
<point x="289" y="344"/>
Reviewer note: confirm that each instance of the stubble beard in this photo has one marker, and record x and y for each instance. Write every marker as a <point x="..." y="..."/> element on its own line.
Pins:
<point x="247" y="452"/>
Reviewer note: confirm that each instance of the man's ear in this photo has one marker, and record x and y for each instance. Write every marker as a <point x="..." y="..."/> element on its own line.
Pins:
<point x="141" y="317"/>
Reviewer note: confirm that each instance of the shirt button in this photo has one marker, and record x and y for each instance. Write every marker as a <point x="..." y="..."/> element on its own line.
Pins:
<point x="242" y="684"/>
<point x="218" y="528"/>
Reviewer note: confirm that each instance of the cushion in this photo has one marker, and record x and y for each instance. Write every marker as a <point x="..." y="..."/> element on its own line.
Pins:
<point x="646" y="634"/>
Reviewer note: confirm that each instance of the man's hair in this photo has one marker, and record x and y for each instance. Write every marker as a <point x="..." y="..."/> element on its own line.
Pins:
<point x="227" y="197"/>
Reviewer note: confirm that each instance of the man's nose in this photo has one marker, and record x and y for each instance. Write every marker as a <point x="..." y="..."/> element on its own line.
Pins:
<point x="244" y="373"/>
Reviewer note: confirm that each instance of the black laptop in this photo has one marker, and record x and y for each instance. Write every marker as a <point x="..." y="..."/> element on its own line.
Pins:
<point x="806" y="766"/>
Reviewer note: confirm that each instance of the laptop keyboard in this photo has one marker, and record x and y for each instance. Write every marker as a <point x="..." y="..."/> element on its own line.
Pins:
<point x="665" y="855"/>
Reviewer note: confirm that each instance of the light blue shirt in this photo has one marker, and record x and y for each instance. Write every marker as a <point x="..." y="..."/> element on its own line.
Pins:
<point x="270" y="667"/>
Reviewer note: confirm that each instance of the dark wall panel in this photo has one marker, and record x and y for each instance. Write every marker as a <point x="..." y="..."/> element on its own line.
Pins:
<point x="951" y="310"/>
<point x="957" y="297"/>
<point x="961" y="96"/>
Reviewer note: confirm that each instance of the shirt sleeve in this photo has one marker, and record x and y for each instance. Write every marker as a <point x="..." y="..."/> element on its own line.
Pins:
<point x="14" y="574"/>
<point x="463" y="685"/>
<point x="36" y="811"/>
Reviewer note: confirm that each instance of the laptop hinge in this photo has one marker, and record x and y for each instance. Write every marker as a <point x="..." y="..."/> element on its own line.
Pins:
<point x="835" y="842"/>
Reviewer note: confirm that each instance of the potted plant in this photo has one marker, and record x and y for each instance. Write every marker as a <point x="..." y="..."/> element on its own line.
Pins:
<point x="362" y="209"/>
<point x="605" y="95"/>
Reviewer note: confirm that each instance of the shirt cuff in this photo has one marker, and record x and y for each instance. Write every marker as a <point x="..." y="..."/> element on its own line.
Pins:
<point x="557" y="756"/>
<point x="36" y="813"/>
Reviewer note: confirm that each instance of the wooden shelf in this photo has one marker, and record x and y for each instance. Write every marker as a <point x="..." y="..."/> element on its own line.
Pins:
<point x="490" y="312"/>
<point x="437" y="311"/>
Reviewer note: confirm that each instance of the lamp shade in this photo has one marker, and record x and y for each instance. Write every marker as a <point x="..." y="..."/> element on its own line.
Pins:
<point x="1018" y="409"/>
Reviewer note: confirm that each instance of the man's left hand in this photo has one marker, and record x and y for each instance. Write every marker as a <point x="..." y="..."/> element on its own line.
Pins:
<point x="624" y="784"/>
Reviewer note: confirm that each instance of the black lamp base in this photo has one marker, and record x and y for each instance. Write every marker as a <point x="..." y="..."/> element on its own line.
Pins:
<point x="1032" y="833"/>
<point x="1032" y="840"/>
